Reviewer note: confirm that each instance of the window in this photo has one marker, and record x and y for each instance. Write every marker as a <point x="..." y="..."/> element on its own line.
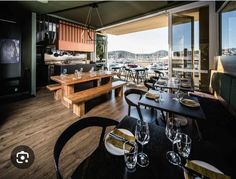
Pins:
<point x="228" y="29"/>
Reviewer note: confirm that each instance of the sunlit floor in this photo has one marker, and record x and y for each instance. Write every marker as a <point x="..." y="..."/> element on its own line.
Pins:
<point x="37" y="122"/>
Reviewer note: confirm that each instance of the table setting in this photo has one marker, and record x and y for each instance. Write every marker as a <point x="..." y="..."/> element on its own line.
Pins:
<point x="134" y="157"/>
<point x="135" y="149"/>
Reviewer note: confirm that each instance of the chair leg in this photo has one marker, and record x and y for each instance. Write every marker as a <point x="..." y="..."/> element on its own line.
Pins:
<point x="163" y="116"/>
<point x="139" y="113"/>
<point x="129" y="110"/>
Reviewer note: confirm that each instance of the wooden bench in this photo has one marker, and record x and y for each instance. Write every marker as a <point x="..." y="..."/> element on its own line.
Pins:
<point x="56" y="88"/>
<point x="78" y="99"/>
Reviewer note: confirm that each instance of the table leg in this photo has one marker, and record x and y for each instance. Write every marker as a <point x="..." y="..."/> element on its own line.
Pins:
<point x="119" y="92"/>
<point x="198" y="130"/>
<point x="163" y="116"/>
<point x="79" y="109"/>
<point x="99" y="82"/>
<point x="137" y="76"/>
<point x="66" y="91"/>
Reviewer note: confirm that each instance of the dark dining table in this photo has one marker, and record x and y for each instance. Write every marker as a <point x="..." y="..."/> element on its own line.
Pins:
<point x="103" y="165"/>
<point x="171" y="85"/>
<point x="138" y="72"/>
<point x="169" y="104"/>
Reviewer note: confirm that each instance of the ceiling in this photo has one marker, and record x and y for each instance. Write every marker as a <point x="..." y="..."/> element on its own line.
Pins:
<point x="111" y="12"/>
<point x="139" y="25"/>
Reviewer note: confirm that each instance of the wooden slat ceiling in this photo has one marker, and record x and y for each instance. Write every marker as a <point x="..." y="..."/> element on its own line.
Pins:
<point x="140" y="25"/>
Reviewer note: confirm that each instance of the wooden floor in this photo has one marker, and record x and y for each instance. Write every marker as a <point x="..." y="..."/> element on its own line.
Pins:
<point x="37" y="122"/>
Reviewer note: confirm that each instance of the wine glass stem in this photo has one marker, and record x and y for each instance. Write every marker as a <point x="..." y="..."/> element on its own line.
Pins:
<point x="141" y="148"/>
<point x="173" y="146"/>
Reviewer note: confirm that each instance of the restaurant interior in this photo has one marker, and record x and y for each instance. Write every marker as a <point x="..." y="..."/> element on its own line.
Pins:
<point x="67" y="113"/>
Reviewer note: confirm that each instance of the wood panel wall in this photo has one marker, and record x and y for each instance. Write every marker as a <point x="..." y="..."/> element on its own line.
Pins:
<point x="73" y="37"/>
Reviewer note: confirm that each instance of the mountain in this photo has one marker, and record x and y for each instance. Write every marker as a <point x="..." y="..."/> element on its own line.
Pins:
<point x="125" y="54"/>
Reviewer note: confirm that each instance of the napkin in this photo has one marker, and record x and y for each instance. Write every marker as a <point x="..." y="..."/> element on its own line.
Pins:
<point x="152" y="95"/>
<point x="161" y="82"/>
<point x="204" y="171"/>
<point x="117" y="143"/>
<point x="186" y="85"/>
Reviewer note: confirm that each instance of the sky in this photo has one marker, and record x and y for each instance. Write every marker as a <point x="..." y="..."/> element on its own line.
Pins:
<point x="148" y="41"/>
<point x="228" y="30"/>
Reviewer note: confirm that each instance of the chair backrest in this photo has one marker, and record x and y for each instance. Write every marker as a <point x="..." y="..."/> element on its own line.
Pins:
<point x="154" y="79"/>
<point x="133" y="91"/>
<point x="160" y="73"/>
<point x="224" y="85"/>
<point x="73" y="129"/>
<point x="149" y="84"/>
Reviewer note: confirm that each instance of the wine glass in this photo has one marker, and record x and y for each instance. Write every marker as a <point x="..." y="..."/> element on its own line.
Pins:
<point x="184" y="144"/>
<point x="161" y="94"/>
<point x="64" y="71"/>
<point x="172" y="129"/>
<point x="142" y="135"/>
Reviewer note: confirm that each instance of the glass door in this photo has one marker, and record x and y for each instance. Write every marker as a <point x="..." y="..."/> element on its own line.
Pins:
<point x="182" y="46"/>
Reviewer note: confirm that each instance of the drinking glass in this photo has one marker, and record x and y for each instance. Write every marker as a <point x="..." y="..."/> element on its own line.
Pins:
<point x="130" y="154"/>
<point x="179" y="95"/>
<point x="172" y="129"/>
<point x="184" y="144"/>
<point x="64" y="71"/>
<point x="142" y="135"/>
<point x="161" y="94"/>
<point x="77" y="74"/>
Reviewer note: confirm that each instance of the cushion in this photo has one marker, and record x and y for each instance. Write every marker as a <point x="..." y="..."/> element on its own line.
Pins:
<point x="215" y="82"/>
<point x="233" y="93"/>
<point x="225" y="85"/>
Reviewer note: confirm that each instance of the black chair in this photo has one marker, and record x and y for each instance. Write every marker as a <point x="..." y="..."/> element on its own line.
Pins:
<point x="159" y="73"/>
<point x="76" y="127"/>
<point x="150" y="83"/>
<point x="128" y="74"/>
<point x="132" y="96"/>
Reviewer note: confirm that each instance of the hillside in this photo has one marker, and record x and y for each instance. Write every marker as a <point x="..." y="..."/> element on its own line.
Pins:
<point x="126" y="54"/>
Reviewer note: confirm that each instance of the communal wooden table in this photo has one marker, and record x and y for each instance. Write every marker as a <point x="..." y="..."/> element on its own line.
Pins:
<point x="69" y="81"/>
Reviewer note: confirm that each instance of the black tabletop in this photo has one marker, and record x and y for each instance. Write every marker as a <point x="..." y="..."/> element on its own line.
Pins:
<point x="170" y="105"/>
<point x="139" y="69"/>
<point x="103" y="165"/>
<point x="116" y="67"/>
<point x="169" y="84"/>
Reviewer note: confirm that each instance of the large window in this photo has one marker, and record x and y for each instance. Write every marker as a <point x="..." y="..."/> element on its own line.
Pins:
<point x="228" y="29"/>
<point x="190" y="46"/>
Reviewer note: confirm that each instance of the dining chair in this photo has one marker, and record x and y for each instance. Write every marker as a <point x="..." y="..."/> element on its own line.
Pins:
<point x="128" y="74"/>
<point x="149" y="83"/>
<point x="75" y="128"/>
<point x="132" y="97"/>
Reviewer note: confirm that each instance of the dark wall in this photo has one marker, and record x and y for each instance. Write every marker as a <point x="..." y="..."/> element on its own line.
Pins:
<point x="204" y="46"/>
<point x="15" y="23"/>
<point x="10" y="31"/>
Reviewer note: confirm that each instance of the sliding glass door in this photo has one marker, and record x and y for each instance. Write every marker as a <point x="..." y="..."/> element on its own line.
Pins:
<point x="182" y="46"/>
<point x="190" y="46"/>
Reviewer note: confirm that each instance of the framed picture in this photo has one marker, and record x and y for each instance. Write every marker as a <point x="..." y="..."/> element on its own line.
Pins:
<point x="9" y="51"/>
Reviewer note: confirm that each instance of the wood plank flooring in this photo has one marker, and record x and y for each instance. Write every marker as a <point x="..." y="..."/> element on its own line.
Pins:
<point x="37" y="122"/>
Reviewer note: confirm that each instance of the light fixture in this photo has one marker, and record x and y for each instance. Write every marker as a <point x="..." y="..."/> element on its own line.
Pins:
<point x="92" y="7"/>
